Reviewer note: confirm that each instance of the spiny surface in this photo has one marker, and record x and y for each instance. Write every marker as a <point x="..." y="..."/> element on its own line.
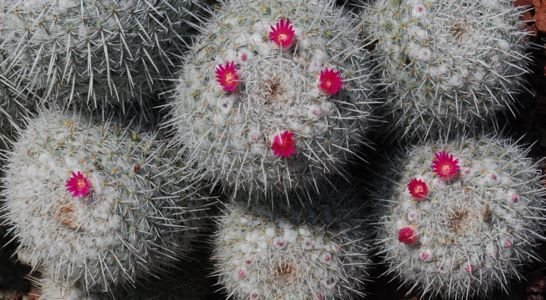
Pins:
<point x="293" y="253"/>
<point x="98" y="52"/>
<point x="447" y="65"/>
<point x="134" y="219"/>
<point x="472" y="232"/>
<point x="263" y="124"/>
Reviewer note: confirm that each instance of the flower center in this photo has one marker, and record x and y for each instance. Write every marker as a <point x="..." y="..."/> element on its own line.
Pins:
<point x="230" y="78"/>
<point x="81" y="184"/>
<point x="446" y="169"/>
<point x="283" y="37"/>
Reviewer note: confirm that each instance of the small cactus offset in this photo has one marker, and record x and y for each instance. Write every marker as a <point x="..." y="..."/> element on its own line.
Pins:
<point x="317" y="253"/>
<point x="462" y="217"/>
<point x="95" y="205"/>
<point x="50" y="290"/>
<point x="447" y="65"/>
<point x="97" y="52"/>
<point x="273" y="95"/>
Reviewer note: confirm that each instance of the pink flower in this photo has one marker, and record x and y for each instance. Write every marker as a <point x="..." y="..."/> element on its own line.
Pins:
<point x="283" y="144"/>
<point x="227" y="77"/>
<point x="418" y="189"/>
<point x="330" y="81"/>
<point x="282" y="33"/>
<point x="78" y="185"/>
<point x="445" y="166"/>
<point x="407" y="235"/>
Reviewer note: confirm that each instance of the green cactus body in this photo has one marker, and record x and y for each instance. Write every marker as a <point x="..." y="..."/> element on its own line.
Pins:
<point x="97" y="205"/>
<point x="447" y="65"/>
<point x="251" y="111"/>
<point x="466" y="234"/>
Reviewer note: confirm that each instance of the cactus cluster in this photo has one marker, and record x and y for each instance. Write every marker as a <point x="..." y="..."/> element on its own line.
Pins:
<point x="462" y="217"/>
<point x="96" y="52"/>
<point x="293" y="253"/>
<point x="273" y="95"/>
<point x="270" y="104"/>
<point x="97" y="204"/>
<point x="51" y="290"/>
<point x="447" y="65"/>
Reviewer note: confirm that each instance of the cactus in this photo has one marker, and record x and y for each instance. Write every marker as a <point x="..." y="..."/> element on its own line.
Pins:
<point x="461" y="217"/>
<point x="447" y="65"/>
<point x="273" y="95"/>
<point x="97" y="52"/>
<point x="96" y="205"/>
<point x="317" y="253"/>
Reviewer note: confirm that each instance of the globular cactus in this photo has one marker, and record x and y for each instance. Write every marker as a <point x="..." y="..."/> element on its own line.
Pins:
<point x="462" y="217"/>
<point x="96" y="52"/>
<point x="95" y="204"/>
<point x="447" y="65"/>
<point x="273" y="95"/>
<point x="315" y="253"/>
